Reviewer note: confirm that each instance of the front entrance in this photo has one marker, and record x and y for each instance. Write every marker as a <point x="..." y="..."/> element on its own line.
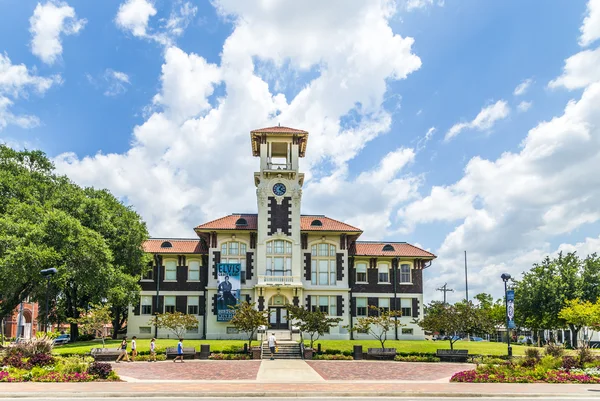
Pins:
<point x="278" y="318"/>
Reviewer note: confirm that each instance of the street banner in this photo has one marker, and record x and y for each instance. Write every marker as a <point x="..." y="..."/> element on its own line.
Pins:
<point x="228" y="290"/>
<point x="510" y="308"/>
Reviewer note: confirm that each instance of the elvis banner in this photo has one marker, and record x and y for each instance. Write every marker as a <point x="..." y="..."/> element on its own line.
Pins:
<point x="228" y="290"/>
<point x="510" y="308"/>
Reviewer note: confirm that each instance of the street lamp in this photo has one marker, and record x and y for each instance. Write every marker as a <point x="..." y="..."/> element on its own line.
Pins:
<point x="47" y="273"/>
<point x="505" y="277"/>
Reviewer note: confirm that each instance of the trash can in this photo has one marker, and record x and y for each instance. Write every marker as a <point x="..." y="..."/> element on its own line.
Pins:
<point x="358" y="352"/>
<point x="204" y="351"/>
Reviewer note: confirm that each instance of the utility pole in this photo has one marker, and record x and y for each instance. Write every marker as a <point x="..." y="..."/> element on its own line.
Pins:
<point x="444" y="290"/>
<point x="466" y="280"/>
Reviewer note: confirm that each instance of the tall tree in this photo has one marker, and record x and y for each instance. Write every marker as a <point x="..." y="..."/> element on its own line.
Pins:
<point x="378" y="324"/>
<point x="249" y="319"/>
<point x="315" y="323"/>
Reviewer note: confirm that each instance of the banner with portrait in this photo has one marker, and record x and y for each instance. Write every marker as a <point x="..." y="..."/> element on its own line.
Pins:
<point x="510" y="308"/>
<point x="228" y="290"/>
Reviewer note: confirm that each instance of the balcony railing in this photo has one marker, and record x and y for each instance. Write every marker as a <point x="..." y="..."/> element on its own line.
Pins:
<point x="279" y="280"/>
<point x="279" y="166"/>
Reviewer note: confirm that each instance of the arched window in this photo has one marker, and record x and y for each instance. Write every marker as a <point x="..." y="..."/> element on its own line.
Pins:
<point x="323" y="268"/>
<point x="235" y="252"/>
<point x="384" y="272"/>
<point x="361" y="272"/>
<point x="166" y="244"/>
<point x="316" y="223"/>
<point x="279" y="258"/>
<point x="241" y="222"/>
<point x="388" y="247"/>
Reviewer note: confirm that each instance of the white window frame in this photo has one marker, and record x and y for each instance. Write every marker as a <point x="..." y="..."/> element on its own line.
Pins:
<point x="316" y="302"/>
<point x="382" y="301"/>
<point x="323" y="264"/>
<point x="366" y="306"/>
<point x="170" y="267"/>
<point x="279" y="254"/>
<point x="379" y="273"/>
<point x="402" y="274"/>
<point x="195" y="302"/>
<point x="366" y="272"/>
<point x="146" y="301"/>
<point x="407" y="331"/>
<point x="174" y="305"/>
<point x="193" y="270"/>
<point x="403" y="305"/>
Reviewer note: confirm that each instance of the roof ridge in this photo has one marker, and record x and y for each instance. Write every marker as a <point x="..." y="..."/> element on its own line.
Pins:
<point x="173" y="239"/>
<point x="384" y="242"/>
<point x="212" y="221"/>
<point x="341" y="222"/>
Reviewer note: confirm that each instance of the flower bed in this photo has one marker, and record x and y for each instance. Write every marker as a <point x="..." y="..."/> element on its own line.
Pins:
<point x="228" y="357"/>
<point x="332" y="357"/>
<point x="415" y="358"/>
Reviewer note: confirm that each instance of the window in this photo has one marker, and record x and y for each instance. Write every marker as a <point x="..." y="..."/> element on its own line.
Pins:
<point x="169" y="304"/>
<point x="316" y="223"/>
<point x="166" y="244"/>
<point x="279" y="258"/>
<point x="192" y="305"/>
<point x="326" y="304"/>
<point x="232" y="330"/>
<point x="145" y="330"/>
<point x="405" y="274"/>
<point x="235" y="252"/>
<point x="384" y="304"/>
<point x="406" y="306"/>
<point x="388" y="248"/>
<point x="148" y="274"/>
<point x="146" y="305"/>
<point x="361" y="272"/>
<point x="361" y="306"/>
<point x="170" y="270"/>
<point x="384" y="272"/>
<point x="407" y="331"/>
<point x="323" y="265"/>
<point x="241" y="222"/>
<point x="194" y="271"/>
<point x="192" y="330"/>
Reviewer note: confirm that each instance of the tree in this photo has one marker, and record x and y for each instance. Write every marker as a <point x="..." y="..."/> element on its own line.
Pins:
<point x="460" y="318"/>
<point x="380" y="321"/>
<point x="582" y="315"/>
<point x="95" y="320"/>
<point x="178" y="323"/>
<point x="495" y="311"/>
<point x="248" y="319"/>
<point x="314" y="322"/>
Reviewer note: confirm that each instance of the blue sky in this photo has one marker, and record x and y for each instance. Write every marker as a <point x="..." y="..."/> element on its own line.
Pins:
<point x="143" y="96"/>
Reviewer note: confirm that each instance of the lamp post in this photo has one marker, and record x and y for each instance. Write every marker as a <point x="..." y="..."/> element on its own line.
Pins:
<point x="505" y="277"/>
<point x="47" y="273"/>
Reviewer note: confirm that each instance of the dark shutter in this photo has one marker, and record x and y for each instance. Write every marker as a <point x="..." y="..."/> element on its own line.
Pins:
<point x="308" y="302"/>
<point x="216" y="261"/>
<point x="415" y="307"/>
<point x="340" y="305"/>
<point x="351" y="271"/>
<point x="304" y="240"/>
<point x="261" y="303"/>
<point x="201" y="305"/>
<point x="372" y="276"/>
<point x="136" y="308"/>
<point x="394" y="304"/>
<point x="249" y="265"/>
<point x="339" y="264"/>
<point x="247" y="298"/>
<point x="307" y="267"/>
<point x="372" y="302"/>
<point x="181" y="303"/>
<point x="353" y="306"/>
<point x="161" y="304"/>
<point x="181" y="274"/>
<point x="204" y="270"/>
<point x="214" y="305"/>
<point x="296" y="301"/>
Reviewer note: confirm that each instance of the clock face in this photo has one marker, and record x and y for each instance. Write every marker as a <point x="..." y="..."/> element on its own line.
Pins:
<point x="279" y="189"/>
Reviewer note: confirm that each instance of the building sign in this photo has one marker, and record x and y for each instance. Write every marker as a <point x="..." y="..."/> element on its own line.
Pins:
<point x="510" y="308"/>
<point x="228" y="290"/>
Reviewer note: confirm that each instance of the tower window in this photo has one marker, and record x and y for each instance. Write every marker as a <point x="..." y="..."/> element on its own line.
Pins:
<point x="241" y="222"/>
<point x="388" y="247"/>
<point x="166" y="244"/>
<point x="323" y="264"/>
<point x="235" y="252"/>
<point x="279" y="258"/>
<point x="316" y="223"/>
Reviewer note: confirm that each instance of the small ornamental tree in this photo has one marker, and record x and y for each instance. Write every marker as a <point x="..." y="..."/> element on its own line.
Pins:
<point x="248" y="319"/>
<point x="315" y="323"/>
<point x="380" y="321"/>
<point x="583" y="315"/>
<point x="94" y="320"/>
<point x="178" y="323"/>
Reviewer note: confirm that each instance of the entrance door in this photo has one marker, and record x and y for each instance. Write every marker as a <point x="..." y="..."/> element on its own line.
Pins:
<point x="278" y="318"/>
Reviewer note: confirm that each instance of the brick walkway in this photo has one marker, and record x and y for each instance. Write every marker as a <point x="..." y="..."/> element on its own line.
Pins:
<point x="363" y="370"/>
<point x="189" y="370"/>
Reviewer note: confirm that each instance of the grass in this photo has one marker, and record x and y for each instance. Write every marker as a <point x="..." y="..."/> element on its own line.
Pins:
<point x="143" y="345"/>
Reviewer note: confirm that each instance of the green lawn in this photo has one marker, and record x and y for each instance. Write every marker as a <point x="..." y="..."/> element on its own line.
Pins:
<point x="483" y="347"/>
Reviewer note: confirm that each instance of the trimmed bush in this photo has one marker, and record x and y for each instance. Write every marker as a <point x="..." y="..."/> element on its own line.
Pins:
<point x="415" y="358"/>
<point x="533" y="353"/>
<point x="100" y="369"/>
<point x="41" y="360"/>
<point x="569" y="362"/>
<point x="554" y="350"/>
<point x="332" y="357"/>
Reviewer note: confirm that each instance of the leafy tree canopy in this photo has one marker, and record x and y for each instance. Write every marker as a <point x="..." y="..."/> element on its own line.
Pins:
<point x="315" y="323"/>
<point x="248" y="319"/>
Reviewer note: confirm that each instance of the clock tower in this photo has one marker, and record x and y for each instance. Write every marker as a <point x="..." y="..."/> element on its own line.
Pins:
<point x="279" y="193"/>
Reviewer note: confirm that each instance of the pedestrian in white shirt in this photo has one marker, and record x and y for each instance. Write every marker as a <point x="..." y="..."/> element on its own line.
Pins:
<point x="272" y="344"/>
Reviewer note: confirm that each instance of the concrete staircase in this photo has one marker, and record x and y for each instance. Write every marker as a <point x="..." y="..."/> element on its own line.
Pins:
<point x="286" y="350"/>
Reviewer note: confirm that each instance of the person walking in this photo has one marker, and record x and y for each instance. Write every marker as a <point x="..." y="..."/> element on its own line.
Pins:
<point x="133" y="348"/>
<point x="152" y="350"/>
<point x="179" y="351"/>
<point x="272" y="344"/>
<point x="123" y="349"/>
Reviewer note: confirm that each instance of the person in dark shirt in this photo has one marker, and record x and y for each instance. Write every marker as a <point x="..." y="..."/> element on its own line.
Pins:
<point x="225" y="289"/>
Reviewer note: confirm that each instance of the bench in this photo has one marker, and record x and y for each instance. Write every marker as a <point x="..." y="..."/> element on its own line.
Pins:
<point x="453" y="355"/>
<point x="188" y="352"/>
<point x="105" y="354"/>
<point x="382" y="353"/>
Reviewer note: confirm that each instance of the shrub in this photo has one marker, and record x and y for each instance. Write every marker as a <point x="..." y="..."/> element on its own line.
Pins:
<point x="73" y="364"/>
<point x="332" y="357"/>
<point x="65" y="377"/>
<point x="529" y="363"/>
<point x="86" y="337"/>
<point x="41" y="360"/>
<point x="332" y="352"/>
<point x="532" y="353"/>
<point x="584" y="354"/>
<point x="569" y="362"/>
<point x="113" y="376"/>
<point x="100" y="369"/>
<point x="16" y="361"/>
<point x="147" y="357"/>
<point x="228" y="357"/>
<point x="415" y="358"/>
<point x="32" y="347"/>
<point x="554" y="350"/>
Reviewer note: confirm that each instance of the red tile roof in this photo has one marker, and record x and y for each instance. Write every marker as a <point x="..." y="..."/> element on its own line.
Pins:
<point x="228" y="223"/>
<point x="400" y="249"/>
<point x="278" y="130"/>
<point x="153" y="245"/>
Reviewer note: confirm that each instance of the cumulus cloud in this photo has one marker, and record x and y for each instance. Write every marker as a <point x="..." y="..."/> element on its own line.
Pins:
<point x="580" y="70"/>
<point x="117" y="82"/>
<point x="524" y="106"/>
<point x="194" y="146"/>
<point x="484" y="121"/>
<point x="590" y="30"/>
<point x="48" y="22"/>
<point x="522" y="88"/>
<point x="134" y="16"/>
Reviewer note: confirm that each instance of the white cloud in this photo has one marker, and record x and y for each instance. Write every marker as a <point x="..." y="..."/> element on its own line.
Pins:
<point x="46" y="25"/>
<point x="484" y="121"/>
<point x="411" y="5"/>
<point x="6" y="117"/>
<point x="116" y="81"/>
<point x="590" y="30"/>
<point x="524" y="106"/>
<point x="522" y="88"/>
<point x="177" y="155"/>
<point x="422" y="142"/>
<point x="580" y="70"/>
<point x="134" y="17"/>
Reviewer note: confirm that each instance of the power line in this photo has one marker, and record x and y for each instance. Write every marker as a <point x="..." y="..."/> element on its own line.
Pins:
<point x="444" y="290"/>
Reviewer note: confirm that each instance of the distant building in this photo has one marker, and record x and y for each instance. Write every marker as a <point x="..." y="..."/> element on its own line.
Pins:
<point x="285" y="258"/>
<point x="29" y="321"/>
